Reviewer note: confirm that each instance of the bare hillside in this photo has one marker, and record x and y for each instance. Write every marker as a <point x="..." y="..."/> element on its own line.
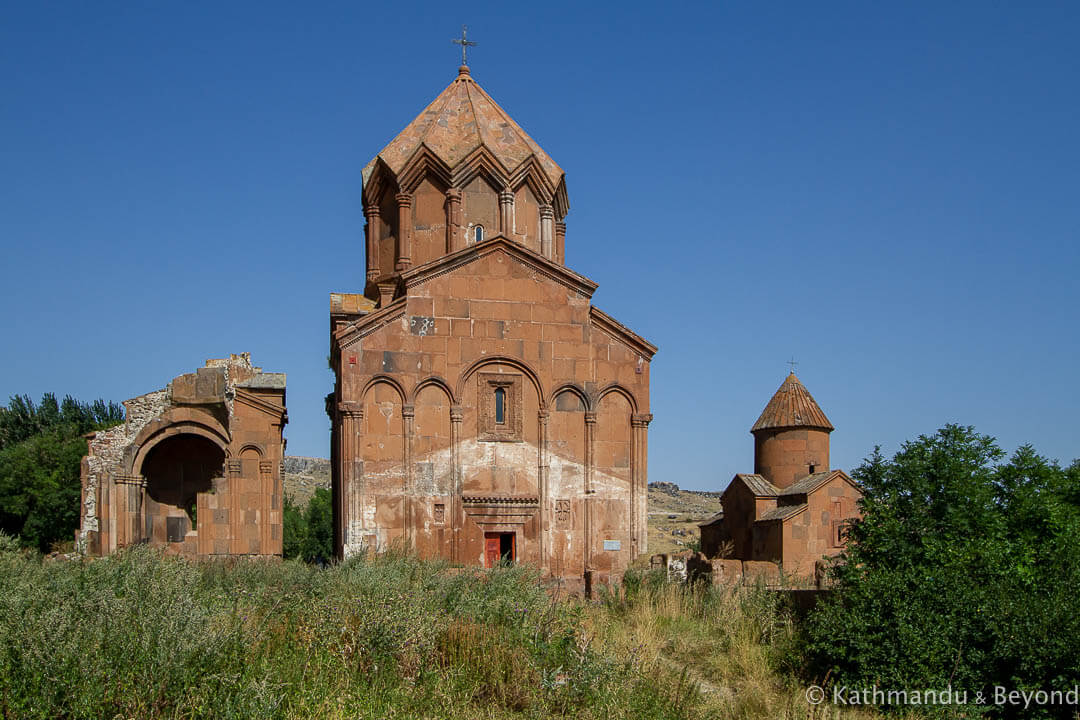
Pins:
<point x="303" y="475"/>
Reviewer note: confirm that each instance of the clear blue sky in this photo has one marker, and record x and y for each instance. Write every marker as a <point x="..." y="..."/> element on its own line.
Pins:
<point x="887" y="192"/>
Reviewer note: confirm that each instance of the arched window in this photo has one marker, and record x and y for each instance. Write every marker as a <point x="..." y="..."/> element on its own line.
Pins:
<point x="478" y="234"/>
<point x="500" y="405"/>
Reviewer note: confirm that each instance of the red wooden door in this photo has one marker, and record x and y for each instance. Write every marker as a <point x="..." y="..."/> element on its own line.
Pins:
<point x="491" y="550"/>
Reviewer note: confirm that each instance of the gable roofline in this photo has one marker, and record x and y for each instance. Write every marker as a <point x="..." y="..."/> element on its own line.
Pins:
<point x="417" y="276"/>
<point x="755" y="483"/>
<point x="617" y="330"/>
<point x="813" y="483"/>
<point x="714" y="520"/>
<point x="363" y="326"/>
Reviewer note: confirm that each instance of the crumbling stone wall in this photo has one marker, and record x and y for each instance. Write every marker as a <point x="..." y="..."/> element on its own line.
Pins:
<point x="222" y="423"/>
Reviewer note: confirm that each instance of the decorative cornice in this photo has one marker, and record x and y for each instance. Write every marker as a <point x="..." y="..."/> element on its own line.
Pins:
<point x="528" y="500"/>
<point x="620" y="332"/>
<point x="252" y="400"/>
<point x="125" y="479"/>
<point x="351" y="410"/>
<point x="355" y="331"/>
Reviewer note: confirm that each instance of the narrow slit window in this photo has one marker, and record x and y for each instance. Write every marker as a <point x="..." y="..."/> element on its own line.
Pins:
<point x="500" y="406"/>
<point x="478" y="234"/>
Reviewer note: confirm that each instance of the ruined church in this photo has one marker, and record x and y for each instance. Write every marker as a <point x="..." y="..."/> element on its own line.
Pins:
<point x="195" y="468"/>
<point x="484" y="410"/>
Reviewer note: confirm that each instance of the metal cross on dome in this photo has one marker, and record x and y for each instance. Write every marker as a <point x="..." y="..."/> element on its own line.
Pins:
<point x="792" y="363"/>
<point x="465" y="44"/>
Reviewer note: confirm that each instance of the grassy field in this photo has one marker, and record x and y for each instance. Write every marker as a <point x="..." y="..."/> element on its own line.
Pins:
<point x="138" y="635"/>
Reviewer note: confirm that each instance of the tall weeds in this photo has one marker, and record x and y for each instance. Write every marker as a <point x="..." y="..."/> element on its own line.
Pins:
<point x="718" y="652"/>
<point x="138" y="635"/>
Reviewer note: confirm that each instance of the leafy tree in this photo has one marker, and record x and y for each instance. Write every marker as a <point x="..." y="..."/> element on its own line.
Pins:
<point x="319" y="517"/>
<point x="41" y="447"/>
<point x="309" y="535"/>
<point x="294" y="530"/>
<point x="962" y="572"/>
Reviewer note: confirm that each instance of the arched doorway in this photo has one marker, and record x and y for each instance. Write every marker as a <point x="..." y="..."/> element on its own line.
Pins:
<point x="176" y="470"/>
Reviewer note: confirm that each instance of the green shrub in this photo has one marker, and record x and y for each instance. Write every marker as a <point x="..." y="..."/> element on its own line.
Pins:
<point x="963" y="572"/>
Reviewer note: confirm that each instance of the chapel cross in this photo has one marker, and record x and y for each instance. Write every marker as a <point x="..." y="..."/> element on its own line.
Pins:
<point x="792" y="363"/>
<point x="465" y="44"/>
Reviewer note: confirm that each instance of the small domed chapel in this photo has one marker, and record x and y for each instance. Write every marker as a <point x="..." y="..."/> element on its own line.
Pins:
<point x="484" y="409"/>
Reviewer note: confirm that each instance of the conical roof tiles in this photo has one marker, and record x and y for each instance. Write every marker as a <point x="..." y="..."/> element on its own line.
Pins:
<point x="792" y="406"/>
<point x="460" y="120"/>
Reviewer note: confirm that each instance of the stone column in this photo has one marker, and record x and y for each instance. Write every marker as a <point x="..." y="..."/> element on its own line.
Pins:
<point x="590" y="435"/>
<point x="408" y="413"/>
<point x="352" y="502"/>
<point x="639" y="483"/>
<point x="506" y="213"/>
<point x="266" y="489"/>
<point x="547" y="230"/>
<point x="235" y="470"/>
<point x="560" y="242"/>
<point x="455" y="480"/>
<point x="404" y="258"/>
<point x="455" y="232"/>
<point x="546" y="513"/>
<point x="132" y="530"/>
<point x="374" y="237"/>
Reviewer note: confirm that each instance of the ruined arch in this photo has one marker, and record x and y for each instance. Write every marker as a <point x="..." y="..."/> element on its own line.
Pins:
<point x="177" y="470"/>
<point x="169" y="424"/>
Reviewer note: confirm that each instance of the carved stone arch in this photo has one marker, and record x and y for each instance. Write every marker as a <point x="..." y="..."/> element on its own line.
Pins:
<point x="380" y="180"/>
<point x="576" y="390"/>
<point x="524" y="367"/>
<point x="136" y="458"/>
<point x="530" y="173"/>
<point x="617" y="388"/>
<point x="436" y="381"/>
<point x="481" y="162"/>
<point x="389" y="380"/>
<point x="168" y="424"/>
<point x="259" y="449"/>
<point x="424" y="163"/>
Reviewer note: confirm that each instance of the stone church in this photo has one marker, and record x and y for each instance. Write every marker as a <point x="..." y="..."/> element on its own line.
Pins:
<point x="792" y="509"/>
<point x="484" y="410"/>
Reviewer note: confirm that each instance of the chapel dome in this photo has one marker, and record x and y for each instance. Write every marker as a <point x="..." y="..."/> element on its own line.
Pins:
<point x="792" y="407"/>
<point x="464" y="126"/>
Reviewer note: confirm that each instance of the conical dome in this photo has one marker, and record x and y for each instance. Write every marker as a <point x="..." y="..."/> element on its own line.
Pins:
<point x="461" y="120"/>
<point x="792" y="406"/>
